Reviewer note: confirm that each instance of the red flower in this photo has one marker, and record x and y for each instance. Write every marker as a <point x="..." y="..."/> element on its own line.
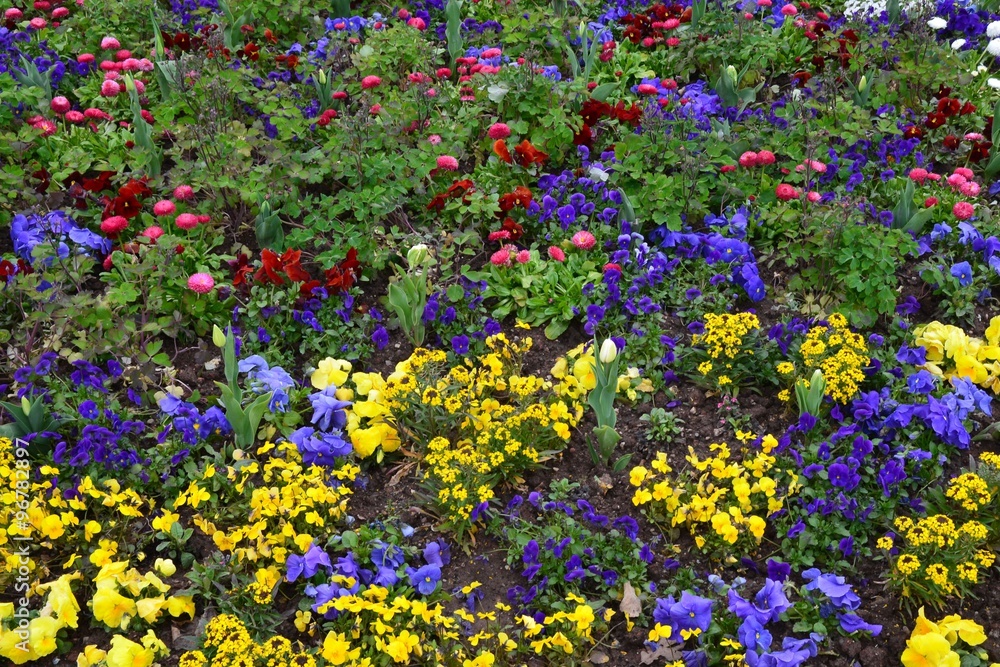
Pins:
<point x="135" y="188"/>
<point x="437" y="203"/>
<point x="935" y="119"/>
<point x="951" y="142"/>
<point x="270" y="268"/>
<point x="500" y="148"/>
<point x="515" y="230"/>
<point x="459" y="188"/>
<point x="528" y="155"/>
<point x="948" y="107"/>
<point x="594" y="110"/>
<point x="632" y="115"/>
<point x="980" y="151"/>
<point x="290" y="265"/>
<point x="341" y="277"/>
<point x="101" y="182"/>
<point x="522" y="196"/>
<point x="241" y="269"/>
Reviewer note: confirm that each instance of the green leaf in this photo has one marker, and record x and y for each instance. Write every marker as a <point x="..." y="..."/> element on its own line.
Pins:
<point x="556" y="328"/>
<point x="602" y="91"/>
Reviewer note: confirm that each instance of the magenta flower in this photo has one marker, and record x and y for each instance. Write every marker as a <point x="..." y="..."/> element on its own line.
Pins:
<point x="584" y="240"/>
<point x="202" y="283"/>
<point x="447" y="162"/>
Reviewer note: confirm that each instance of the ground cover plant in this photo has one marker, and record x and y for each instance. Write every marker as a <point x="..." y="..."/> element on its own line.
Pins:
<point x="499" y="332"/>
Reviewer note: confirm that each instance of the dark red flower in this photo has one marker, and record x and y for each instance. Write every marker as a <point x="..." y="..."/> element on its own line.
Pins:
<point x="290" y="265"/>
<point x="935" y="120"/>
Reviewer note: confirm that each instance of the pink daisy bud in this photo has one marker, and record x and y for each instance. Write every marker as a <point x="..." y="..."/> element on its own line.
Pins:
<point x="646" y="89"/>
<point x="447" y="162"/>
<point x="969" y="188"/>
<point x="498" y="131"/>
<point x="956" y="180"/>
<point x="727" y="168"/>
<point x="146" y="116"/>
<point x="964" y="171"/>
<point x="500" y="257"/>
<point x="789" y="10"/>
<point x="74" y="117"/>
<point x="963" y="210"/>
<point x="584" y="240"/>
<point x="38" y="23"/>
<point x="556" y="253"/>
<point x="110" y="44"/>
<point x="187" y="221"/>
<point x="814" y="196"/>
<point x="671" y="24"/>
<point x="918" y="175"/>
<point x="499" y="235"/>
<point x="59" y="104"/>
<point x="130" y="65"/>
<point x="110" y="89"/>
<point x="930" y="201"/>
<point x="47" y="127"/>
<point x="491" y="53"/>
<point x="164" y="207"/>
<point x="85" y="58"/>
<point x="785" y="192"/>
<point x="435" y="139"/>
<point x="152" y="232"/>
<point x="202" y="283"/>
<point x="122" y="55"/>
<point x="60" y="13"/>
<point x="416" y="22"/>
<point x="765" y="158"/>
<point x="114" y="225"/>
<point x="523" y="257"/>
<point x="748" y="159"/>
<point x="42" y="5"/>
<point x="443" y="72"/>
<point x="370" y="81"/>
<point x="183" y="192"/>
<point x="611" y="266"/>
<point x="13" y="14"/>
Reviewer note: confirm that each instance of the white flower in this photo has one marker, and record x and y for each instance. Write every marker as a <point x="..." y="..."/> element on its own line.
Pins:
<point x="994" y="47"/>
<point x="937" y="23"/>
<point x="993" y="83"/>
<point x="993" y="29"/>
<point x="608" y="351"/>
<point x="957" y="44"/>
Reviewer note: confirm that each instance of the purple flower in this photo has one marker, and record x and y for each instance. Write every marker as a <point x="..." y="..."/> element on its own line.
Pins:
<point x="769" y="603"/>
<point x="962" y="271"/>
<point x="753" y="635"/>
<point x="380" y="337"/>
<point x="424" y="579"/>
<point x="691" y="612"/>
<point x="852" y="623"/>
<point x="460" y="344"/>
<point x="777" y="570"/>
<point x="840" y="594"/>
<point x="306" y="566"/>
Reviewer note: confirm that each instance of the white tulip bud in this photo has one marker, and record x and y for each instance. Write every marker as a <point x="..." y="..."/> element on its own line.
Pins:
<point x="609" y="351"/>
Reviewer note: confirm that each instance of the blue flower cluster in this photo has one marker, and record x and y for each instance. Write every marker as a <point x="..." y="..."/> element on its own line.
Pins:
<point x="58" y="229"/>
<point x="385" y="566"/>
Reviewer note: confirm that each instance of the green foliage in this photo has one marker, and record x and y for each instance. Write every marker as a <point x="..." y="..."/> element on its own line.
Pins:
<point x="662" y="426"/>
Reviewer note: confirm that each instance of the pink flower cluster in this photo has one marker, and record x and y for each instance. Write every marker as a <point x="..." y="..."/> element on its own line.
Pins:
<point x="759" y="159"/>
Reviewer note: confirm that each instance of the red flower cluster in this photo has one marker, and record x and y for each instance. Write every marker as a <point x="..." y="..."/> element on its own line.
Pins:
<point x="655" y="26"/>
<point x="275" y="269"/>
<point x="462" y="188"/>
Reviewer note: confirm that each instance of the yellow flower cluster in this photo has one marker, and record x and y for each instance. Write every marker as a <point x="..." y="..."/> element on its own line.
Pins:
<point x="124" y="652"/>
<point x="229" y="644"/>
<point x="731" y="497"/>
<point x="942" y="554"/>
<point x="371" y="629"/>
<point x="478" y="423"/>
<point x="724" y="334"/>
<point x="124" y="594"/>
<point x="575" y="373"/>
<point x="37" y="639"/>
<point x="934" y="643"/>
<point x="287" y="503"/>
<point x="75" y="516"/>
<point x="953" y="353"/>
<point x="840" y="354"/>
